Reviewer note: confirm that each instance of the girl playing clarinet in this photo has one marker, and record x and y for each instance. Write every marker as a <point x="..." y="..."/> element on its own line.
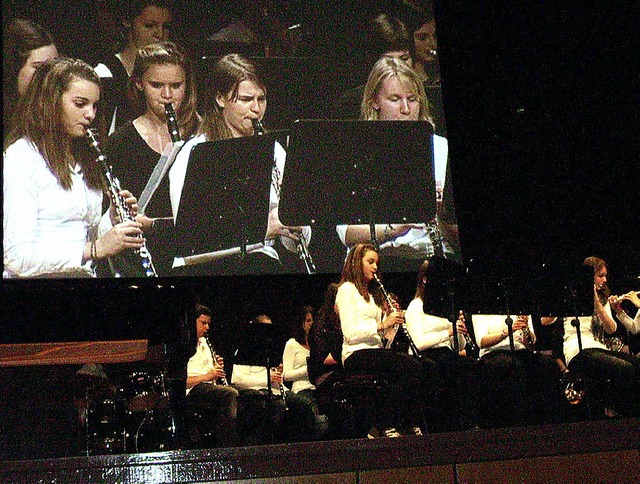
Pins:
<point x="363" y="328"/>
<point x="52" y="188"/>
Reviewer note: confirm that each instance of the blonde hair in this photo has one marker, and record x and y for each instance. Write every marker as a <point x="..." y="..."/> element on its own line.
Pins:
<point x="163" y="53"/>
<point x="383" y="69"/>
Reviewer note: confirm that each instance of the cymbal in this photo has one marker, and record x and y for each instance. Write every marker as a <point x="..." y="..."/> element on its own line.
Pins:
<point x="91" y="371"/>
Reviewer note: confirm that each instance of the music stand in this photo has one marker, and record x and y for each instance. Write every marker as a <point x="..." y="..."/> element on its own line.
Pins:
<point x="225" y="197"/>
<point x="358" y="172"/>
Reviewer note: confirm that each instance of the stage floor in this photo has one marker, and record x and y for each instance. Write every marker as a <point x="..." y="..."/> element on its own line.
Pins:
<point x="602" y="451"/>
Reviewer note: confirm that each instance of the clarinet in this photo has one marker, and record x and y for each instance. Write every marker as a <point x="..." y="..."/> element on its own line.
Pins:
<point x="123" y="211"/>
<point x="282" y="389"/>
<point x="172" y="122"/>
<point x="301" y="243"/>
<point x="223" y="379"/>
<point x="399" y="327"/>
<point x="469" y="341"/>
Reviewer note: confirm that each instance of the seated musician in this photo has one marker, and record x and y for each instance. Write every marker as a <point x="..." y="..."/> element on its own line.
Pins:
<point x="295" y="355"/>
<point x="237" y="103"/>
<point x="267" y="412"/>
<point x="162" y="74"/>
<point x="400" y="403"/>
<point x="208" y="391"/>
<point x="593" y="349"/>
<point x="517" y="383"/>
<point x="394" y="93"/>
<point x="325" y="345"/>
<point x="456" y="392"/>
<point x="52" y="194"/>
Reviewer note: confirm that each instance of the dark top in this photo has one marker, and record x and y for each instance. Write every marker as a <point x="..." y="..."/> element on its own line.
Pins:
<point x="133" y="161"/>
<point x="323" y="339"/>
<point x="114" y="94"/>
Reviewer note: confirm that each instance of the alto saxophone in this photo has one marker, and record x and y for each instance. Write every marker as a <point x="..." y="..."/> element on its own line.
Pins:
<point x="123" y="211"/>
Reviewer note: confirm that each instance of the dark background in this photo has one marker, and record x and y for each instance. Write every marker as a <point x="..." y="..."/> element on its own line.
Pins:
<point x="541" y="104"/>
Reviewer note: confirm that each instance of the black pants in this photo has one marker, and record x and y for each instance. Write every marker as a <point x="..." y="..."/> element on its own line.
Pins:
<point x="265" y="418"/>
<point x="456" y="390"/>
<point x="218" y="406"/>
<point x="519" y="387"/>
<point x="616" y="376"/>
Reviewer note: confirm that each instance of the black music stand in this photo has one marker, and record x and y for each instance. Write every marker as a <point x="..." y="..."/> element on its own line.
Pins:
<point x="225" y="199"/>
<point x="358" y="172"/>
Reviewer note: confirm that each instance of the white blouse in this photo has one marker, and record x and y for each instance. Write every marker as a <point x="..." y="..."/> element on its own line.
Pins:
<point x="483" y="324"/>
<point x="358" y="319"/>
<point x="294" y="366"/>
<point x="428" y="331"/>
<point x="45" y="226"/>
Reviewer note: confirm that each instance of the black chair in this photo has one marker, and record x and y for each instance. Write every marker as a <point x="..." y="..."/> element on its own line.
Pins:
<point x="352" y="405"/>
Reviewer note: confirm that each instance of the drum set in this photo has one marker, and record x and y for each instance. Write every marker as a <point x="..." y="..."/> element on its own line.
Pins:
<point x="132" y="417"/>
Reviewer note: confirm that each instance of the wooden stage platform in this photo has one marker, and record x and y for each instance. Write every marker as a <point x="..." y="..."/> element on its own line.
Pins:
<point x="601" y="451"/>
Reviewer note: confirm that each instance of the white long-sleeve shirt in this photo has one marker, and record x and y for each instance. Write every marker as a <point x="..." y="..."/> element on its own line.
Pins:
<point x="294" y="366"/>
<point x="632" y="325"/>
<point x="428" y="331"/>
<point x="45" y="226"/>
<point x="484" y="324"/>
<point x="358" y="319"/>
